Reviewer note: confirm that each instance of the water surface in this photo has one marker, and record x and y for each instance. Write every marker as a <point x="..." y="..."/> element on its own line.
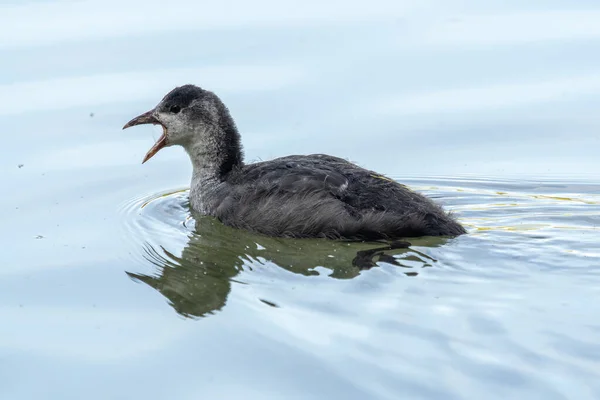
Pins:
<point x="110" y="289"/>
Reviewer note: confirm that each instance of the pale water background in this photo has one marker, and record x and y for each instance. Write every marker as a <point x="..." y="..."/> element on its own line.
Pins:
<point x="493" y="108"/>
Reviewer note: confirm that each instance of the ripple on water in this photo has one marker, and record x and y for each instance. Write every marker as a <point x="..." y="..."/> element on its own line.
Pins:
<point x="170" y="245"/>
<point x="512" y="233"/>
<point x="497" y="308"/>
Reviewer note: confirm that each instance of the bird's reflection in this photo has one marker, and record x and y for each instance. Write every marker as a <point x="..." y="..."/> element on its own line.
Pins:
<point x="198" y="282"/>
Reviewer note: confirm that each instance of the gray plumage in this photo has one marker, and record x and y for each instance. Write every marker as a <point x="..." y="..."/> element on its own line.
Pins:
<point x="295" y="196"/>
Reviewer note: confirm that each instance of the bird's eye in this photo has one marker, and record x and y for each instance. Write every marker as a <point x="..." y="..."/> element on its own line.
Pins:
<point x="175" y="109"/>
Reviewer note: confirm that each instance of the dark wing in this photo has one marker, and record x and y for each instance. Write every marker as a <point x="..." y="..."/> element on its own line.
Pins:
<point x="297" y="174"/>
<point x="357" y="188"/>
<point x="320" y="195"/>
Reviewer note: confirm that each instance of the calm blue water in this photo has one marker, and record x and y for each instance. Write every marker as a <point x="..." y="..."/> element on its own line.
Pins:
<point x="110" y="290"/>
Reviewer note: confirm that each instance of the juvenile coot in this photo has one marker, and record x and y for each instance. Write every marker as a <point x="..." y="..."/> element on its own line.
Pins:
<point x="298" y="196"/>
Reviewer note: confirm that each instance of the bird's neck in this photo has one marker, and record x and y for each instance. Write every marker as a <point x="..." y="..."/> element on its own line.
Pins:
<point x="215" y="154"/>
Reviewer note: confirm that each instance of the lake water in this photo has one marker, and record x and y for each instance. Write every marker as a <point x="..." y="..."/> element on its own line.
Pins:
<point x="110" y="290"/>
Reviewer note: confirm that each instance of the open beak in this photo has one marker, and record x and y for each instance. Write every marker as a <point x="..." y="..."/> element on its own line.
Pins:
<point x="148" y="118"/>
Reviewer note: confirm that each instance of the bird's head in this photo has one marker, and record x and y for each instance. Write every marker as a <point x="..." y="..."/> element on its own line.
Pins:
<point x="187" y="115"/>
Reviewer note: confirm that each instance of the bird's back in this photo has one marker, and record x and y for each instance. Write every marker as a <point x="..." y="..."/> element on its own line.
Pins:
<point x="324" y="196"/>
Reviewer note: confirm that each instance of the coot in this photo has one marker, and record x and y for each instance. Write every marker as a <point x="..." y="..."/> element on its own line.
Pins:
<point x="299" y="196"/>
